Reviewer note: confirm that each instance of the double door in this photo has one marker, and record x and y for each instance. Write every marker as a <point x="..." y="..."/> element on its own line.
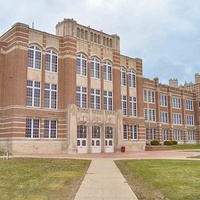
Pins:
<point x="96" y="139"/>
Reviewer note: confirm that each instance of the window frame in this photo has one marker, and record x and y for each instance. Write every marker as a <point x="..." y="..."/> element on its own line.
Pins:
<point x="190" y="135"/>
<point x="163" y="100"/>
<point x="125" y="132"/>
<point x="190" y="120"/>
<point x="34" y="62"/>
<point x="95" y="98"/>
<point x="31" y="130"/>
<point x="50" y="92"/>
<point x="50" y="65"/>
<point x="124" y="105"/>
<point x="81" y="65"/>
<point x="123" y="76"/>
<point x="178" y="135"/>
<point x="48" y="130"/>
<point x="132" y="79"/>
<point x="107" y="71"/>
<point x="133" y="106"/>
<point x="108" y="100"/>
<point x="151" y="96"/>
<point x="165" y="134"/>
<point x="189" y="105"/>
<point x="164" y="117"/>
<point x="149" y="115"/>
<point x="134" y="132"/>
<point x="33" y="94"/>
<point x="176" y="102"/>
<point x="83" y="97"/>
<point x="95" y="68"/>
<point x="177" y="118"/>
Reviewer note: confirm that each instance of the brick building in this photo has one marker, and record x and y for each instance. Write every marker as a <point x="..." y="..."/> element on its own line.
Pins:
<point x="74" y="92"/>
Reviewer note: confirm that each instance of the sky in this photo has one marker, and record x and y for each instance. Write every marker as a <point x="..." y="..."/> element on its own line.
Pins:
<point x="165" y="34"/>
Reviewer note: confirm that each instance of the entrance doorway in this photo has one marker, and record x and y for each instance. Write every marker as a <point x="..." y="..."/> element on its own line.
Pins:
<point x="96" y="139"/>
<point x="109" y="146"/>
<point x="82" y="139"/>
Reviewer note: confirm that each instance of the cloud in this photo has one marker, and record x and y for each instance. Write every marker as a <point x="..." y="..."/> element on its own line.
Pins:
<point x="164" y="33"/>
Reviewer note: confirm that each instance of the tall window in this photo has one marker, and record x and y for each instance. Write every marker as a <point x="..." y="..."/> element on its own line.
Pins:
<point x="176" y="118"/>
<point x="145" y="95"/>
<point x="165" y="134"/>
<point x="189" y="105"/>
<point x="132" y="79"/>
<point x="134" y="132"/>
<point x="125" y="132"/>
<point x="176" y="102"/>
<point x="81" y="65"/>
<point x="81" y="97"/>
<point x="50" y="128"/>
<point x="190" y="120"/>
<point x="149" y="115"/>
<point x="190" y="135"/>
<point x="163" y="100"/>
<point x="133" y="107"/>
<point x="164" y="117"/>
<point x="34" y="57"/>
<point x="149" y="95"/>
<point x="123" y="102"/>
<point x="32" y="128"/>
<point x="51" y="61"/>
<point x="95" y="99"/>
<point x="178" y="135"/>
<point x="50" y="96"/>
<point x="95" y="68"/>
<point x="107" y="71"/>
<point x="108" y="101"/>
<point x="123" y="77"/>
<point x="33" y="93"/>
<point x="150" y="134"/>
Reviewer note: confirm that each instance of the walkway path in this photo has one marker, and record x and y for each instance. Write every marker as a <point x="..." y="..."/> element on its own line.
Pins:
<point x="119" y="155"/>
<point x="104" y="181"/>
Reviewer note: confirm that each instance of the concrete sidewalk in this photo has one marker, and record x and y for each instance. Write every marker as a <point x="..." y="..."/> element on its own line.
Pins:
<point x="104" y="181"/>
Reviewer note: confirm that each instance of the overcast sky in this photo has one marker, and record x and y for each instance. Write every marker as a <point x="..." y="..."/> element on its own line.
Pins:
<point x="165" y="34"/>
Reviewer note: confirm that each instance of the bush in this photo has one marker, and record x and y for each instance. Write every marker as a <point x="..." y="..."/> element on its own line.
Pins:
<point x="174" y="142"/>
<point x="168" y="142"/>
<point x="155" y="142"/>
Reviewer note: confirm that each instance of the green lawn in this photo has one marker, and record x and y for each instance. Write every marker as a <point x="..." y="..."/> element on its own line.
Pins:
<point x="40" y="179"/>
<point x="186" y="147"/>
<point x="162" y="179"/>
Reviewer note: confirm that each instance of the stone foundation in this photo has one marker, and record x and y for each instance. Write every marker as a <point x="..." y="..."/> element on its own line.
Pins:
<point x="36" y="146"/>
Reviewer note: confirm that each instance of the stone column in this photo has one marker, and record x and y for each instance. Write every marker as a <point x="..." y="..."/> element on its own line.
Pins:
<point x="159" y="131"/>
<point x="119" y="130"/>
<point x="72" y="129"/>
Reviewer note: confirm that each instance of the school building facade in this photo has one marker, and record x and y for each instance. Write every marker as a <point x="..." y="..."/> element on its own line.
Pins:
<point x="73" y="92"/>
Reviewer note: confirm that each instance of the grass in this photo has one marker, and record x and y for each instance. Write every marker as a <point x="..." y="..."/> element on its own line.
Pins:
<point x="186" y="147"/>
<point x="162" y="179"/>
<point x="41" y="179"/>
<point x="196" y="157"/>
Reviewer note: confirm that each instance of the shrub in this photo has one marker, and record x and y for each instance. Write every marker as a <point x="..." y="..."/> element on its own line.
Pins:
<point x="168" y="142"/>
<point x="155" y="142"/>
<point x="174" y="142"/>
